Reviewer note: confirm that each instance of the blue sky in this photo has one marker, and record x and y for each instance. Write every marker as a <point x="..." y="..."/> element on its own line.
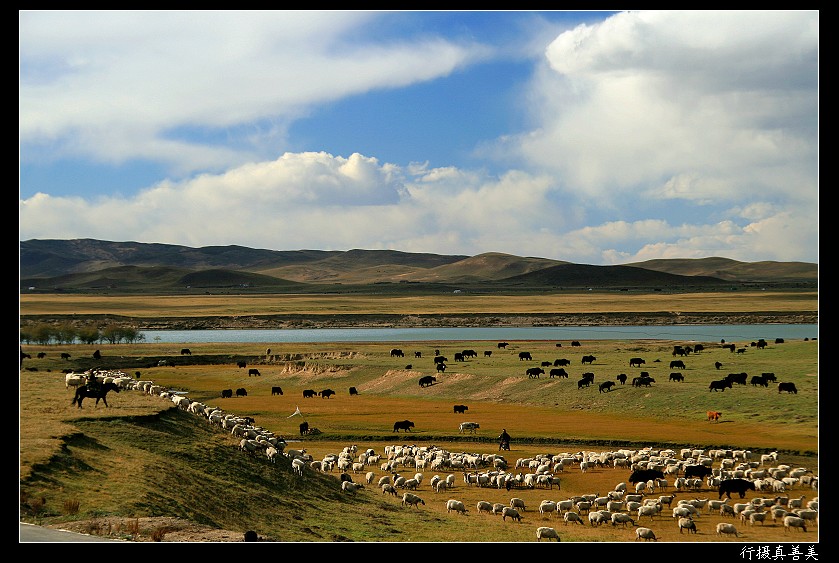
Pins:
<point x="591" y="137"/>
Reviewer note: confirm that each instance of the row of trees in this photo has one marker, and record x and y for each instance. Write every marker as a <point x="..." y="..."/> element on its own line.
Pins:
<point x="44" y="333"/>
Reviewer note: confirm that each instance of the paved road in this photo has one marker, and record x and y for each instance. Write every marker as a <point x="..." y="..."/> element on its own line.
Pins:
<point x="30" y="533"/>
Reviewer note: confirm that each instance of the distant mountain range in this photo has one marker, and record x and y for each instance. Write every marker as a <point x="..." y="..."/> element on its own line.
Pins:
<point x="88" y="265"/>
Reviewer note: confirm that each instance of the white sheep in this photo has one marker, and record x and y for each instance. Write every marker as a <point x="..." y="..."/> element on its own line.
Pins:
<point x="757" y="517"/>
<point x="791" y="522"/>
<point x="512" y="513"/>
<point x="297" y="466"/>
<point x="456" y="505"/>
<point x="723" y="528"/>
<point x="412" y="500"/>
<point x="621" y="518"/>
<point x="547" y="507"/>
<point x="572" y="517"/>
<point x="645" y="534"/>
<point x="517" y="503"/>
<point x="484" y="506"/>
<point x="687" y="524"/>
<point x="351" y="487"/>
<point x="547" y="533"/>
<point x="599" y="517"/>
<point x="498" y="508"/>
<point x="807" y="514"/>
<point x="650" y="510"/>
<point x="388" y="489"/>
<point x="272" y="453"/>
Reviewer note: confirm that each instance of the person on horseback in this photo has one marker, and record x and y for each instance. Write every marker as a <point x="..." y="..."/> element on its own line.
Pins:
<point x="504" y="440"/>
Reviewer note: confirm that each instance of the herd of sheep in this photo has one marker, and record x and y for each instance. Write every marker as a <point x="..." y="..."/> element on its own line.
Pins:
<point x="623" y="506"/>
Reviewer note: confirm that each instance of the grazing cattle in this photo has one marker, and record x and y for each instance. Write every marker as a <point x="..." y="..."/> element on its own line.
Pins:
<point x="487" y="353"/>
<point x="470" y="426"/>
<point x="353" y="391"/>
<point x="326" y="393"/>
<point x="409" y="366"/>
<point x="697" y="471"/>
<point x="739" y="486"/>
<point x="644" y="475"/>
<point x="441" y="367"/>
<point x="427" y="380"/>
<point x="788" y="387"/>
<point x="606" y="386"/>
<point x="575" y="343"/>
<point x="503" y="344"/>
<point x="718" y="365"/>
<point x="622" y="378"/>
<point x="698" y="348"/>
<point x="460" y="409"/>
<point x="97" y="355"/>
<point x="242" y="364"/>
<point x="714" y="416"/>
<point x="534" y="372"/>
<point x="558" y="372"/>
<point x="41" y="355"/>
<point x="562" y="362"/>
<point x="741" y="350"/>
<point x="525" y="356"/>
<point x="469" y="354"/>
<point x="559" y="344"/>
<point x="309" y="393"/>
<point x="584" y="382"/>
<point x="589" y="360"/>
<point x="418" y="354"/>
<point x="64" y="356"/>
<point x="226" y="393"/>
<point x="643" y="381"/>
<point x="677" y="364"/>
<point x="758" y="380"/>
<point x="761" y="344"/>
<point x="405" y="425"/>
<point x="276" y="390"/>
<point x="241" y="392"/>
<point x="636" y="362"/>
<point x="730" y="347"/>
<point x="738" y="378"/>
<point x="546" y="364"/>
<point x="185" y="352"/>
<point x="253" y="371"/>
<point x="720" y="385"/>
<point x="768" y="376"/>
<point x="304" y="428"/>
<point x="779" y="341"/>
<point x="438" y="359"/>
<point x="676" y="376"/>
<point x="458" y="357"/>
<point x="396" y="352"/>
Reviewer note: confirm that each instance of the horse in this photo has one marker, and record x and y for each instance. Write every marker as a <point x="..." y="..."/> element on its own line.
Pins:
<point x="100" y="392"/>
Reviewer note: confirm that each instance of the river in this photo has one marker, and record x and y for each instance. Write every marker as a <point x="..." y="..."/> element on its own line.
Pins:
<point x="699" y="333"/>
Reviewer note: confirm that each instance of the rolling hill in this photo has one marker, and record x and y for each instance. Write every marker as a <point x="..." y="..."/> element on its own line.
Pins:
<point x="87" y="265"/>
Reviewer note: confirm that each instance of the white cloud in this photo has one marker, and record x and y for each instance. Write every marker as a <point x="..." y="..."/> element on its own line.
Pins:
<point x="130" y="84"/>
<point x="651" y="98"/>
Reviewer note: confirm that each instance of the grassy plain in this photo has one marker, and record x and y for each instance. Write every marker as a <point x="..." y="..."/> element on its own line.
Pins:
<point x="142" y="457"/>
<point x="447" y="303"/>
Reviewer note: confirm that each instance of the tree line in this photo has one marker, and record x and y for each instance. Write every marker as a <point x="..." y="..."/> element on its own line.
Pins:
<point x="66" y="333"/>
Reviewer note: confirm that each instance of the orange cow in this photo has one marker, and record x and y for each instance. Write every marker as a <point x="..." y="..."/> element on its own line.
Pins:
<point x="714" y="415"/>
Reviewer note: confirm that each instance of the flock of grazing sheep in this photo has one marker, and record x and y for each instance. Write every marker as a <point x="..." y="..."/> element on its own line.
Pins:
<point x="623" y="506"/>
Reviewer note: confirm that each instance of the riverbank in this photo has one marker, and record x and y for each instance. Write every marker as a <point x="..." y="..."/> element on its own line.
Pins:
<point x="285" y="321"/>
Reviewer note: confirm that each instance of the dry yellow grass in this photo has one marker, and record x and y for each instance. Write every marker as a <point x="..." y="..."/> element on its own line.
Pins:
<point x="588" y="302"/>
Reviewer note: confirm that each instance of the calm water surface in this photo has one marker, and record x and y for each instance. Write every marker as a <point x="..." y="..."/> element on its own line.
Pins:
<point x="700" y="333"/>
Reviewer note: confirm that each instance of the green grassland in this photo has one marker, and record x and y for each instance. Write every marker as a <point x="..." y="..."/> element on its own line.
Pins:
<point x="143" y="457"/>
